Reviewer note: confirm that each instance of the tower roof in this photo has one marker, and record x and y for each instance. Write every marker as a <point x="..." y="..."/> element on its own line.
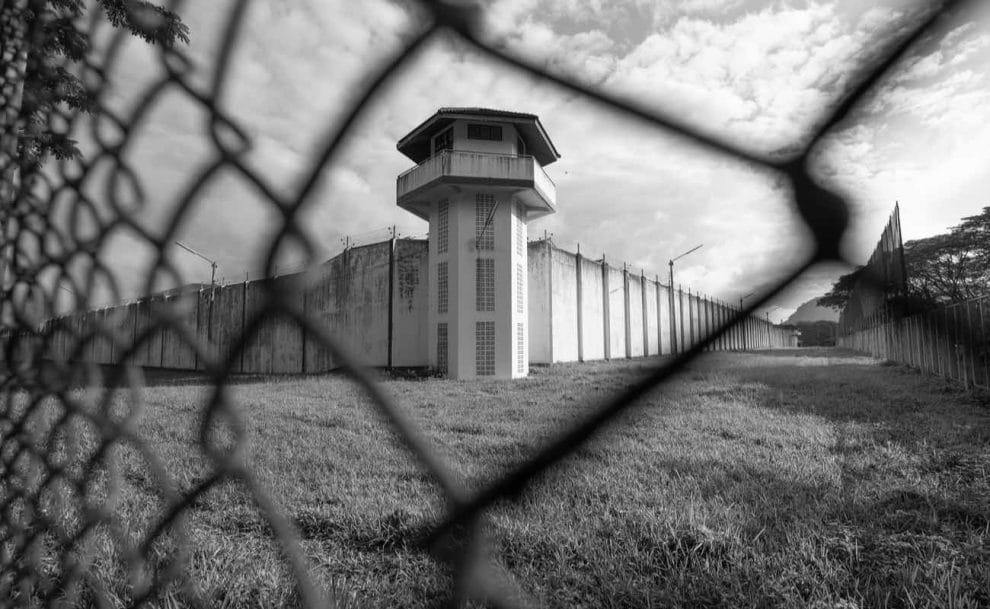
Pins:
<point x="416" y="144"/>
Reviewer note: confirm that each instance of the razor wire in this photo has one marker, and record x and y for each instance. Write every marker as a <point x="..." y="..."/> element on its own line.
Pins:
<point x="55" y="495"/>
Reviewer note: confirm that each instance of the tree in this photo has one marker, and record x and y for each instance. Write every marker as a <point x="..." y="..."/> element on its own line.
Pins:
<point x="950" y="267"/>
<point x="817" y="333"/>
<point x="40" y="40"/>
<point x="945" y="268"/>
<point x="839" y="295"/>
<point x="974" y="235"/>
<point x="50" y="38"/>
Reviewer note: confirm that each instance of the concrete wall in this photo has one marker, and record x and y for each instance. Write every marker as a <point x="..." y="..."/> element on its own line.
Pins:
<point x="592" y="333"/>
<point x="321" y="304"/>
<point x="374" y="301"/>
<point x="351" y="298"/>
<point x="651" y="316"/>
<point x="539" y="283"/>
<point x="410" y="298"/>
<point x="615" y="287"/>
<point x="177" y="349"/>
<point x="586" y="310"/>
<point x="634" y="320"/>
<point x="565" y="311"/>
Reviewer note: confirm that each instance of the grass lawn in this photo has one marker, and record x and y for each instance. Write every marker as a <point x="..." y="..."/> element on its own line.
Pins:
<point x="778" y="479"/>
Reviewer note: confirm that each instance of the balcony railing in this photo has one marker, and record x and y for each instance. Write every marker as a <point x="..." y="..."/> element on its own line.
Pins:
<point x="456" y="164"/>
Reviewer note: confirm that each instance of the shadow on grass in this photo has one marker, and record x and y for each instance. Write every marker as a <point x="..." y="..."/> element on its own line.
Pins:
<point x="681" y="558"/>
<point x="779" y="542"/>
<point x="51" y="374"/>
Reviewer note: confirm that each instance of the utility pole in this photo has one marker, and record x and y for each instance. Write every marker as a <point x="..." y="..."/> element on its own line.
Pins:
<point x="673" y="322"/>
<point x="213" y="264"/>
<point x="213" y="286"/>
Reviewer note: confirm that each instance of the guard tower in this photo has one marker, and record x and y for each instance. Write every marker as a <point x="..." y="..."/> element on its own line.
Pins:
<point x="478" y="181"/>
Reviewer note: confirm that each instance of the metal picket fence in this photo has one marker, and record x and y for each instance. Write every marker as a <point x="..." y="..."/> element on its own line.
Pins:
<point x="48" y="485"/>
<point x="951" y="341"/>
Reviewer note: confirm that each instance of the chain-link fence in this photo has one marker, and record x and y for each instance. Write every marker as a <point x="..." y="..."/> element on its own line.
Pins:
<point x="58" y="447"/>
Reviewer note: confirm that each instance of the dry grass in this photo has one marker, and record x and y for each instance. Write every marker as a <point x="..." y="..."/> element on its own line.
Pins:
<point x="807" y="478"/>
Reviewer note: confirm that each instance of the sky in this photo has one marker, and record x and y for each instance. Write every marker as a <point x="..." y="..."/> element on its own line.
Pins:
<point x="762" y="75"/>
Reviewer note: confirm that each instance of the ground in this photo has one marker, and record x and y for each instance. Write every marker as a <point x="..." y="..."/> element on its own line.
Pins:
<point x="777" y="479"/>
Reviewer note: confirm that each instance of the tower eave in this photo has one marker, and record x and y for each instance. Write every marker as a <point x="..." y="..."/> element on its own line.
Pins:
<point x="417" y="200"/>
<point x="415" y="145"/>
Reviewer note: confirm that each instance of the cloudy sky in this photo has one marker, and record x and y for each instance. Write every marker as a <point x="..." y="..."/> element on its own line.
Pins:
<point x="761" y="74"/>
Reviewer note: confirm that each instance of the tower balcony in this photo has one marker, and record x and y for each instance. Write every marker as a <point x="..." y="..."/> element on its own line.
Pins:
<point x="451" y="170"/>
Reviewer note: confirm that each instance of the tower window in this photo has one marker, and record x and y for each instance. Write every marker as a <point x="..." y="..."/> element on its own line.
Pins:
<point x="520" y="229"/>
<point x="484" y="348"/>
<point x="442" y="348"/>
<point x="484" y="221"/>
<point x="485" y="284"/>
<point x="520" y="348"/>
<point x="443" y="140"/>
<point x="442" y="226"/>
<point x="476" y="131"/>
<point x="520" y="284"/>
<point x="442" y="287"/>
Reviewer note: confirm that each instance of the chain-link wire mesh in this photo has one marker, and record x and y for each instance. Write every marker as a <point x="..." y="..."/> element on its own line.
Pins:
<point x="60" y="448"/>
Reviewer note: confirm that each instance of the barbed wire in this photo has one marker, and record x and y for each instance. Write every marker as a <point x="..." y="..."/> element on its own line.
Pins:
<point x="56" y="492"/>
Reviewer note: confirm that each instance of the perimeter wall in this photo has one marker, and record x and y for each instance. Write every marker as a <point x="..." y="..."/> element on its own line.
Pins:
<point x="581" y="309"/>
<point x="374" y="300"/>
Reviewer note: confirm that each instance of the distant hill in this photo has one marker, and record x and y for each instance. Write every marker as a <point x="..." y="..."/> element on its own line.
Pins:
<point x="810" y="311"/>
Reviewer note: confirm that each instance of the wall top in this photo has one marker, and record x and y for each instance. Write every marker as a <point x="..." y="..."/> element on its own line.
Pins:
<point x="416" y="144"/>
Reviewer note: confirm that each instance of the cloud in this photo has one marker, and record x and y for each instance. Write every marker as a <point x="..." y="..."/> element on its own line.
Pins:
<point x="762" y="77"/>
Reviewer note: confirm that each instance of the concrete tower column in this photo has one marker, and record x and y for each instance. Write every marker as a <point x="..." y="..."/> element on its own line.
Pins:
<point x="478" y="182"/>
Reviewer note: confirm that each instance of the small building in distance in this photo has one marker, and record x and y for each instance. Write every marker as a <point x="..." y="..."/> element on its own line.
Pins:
<point x="479" y="181"/>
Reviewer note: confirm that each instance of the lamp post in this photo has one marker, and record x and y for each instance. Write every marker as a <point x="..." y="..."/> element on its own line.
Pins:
<point x="673" y="323"/>
<point x="213" y="285"/>
<point x="213" y="264"/>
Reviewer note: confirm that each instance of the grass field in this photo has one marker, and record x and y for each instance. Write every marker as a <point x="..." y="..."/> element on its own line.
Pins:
<point x="781" y="479"/>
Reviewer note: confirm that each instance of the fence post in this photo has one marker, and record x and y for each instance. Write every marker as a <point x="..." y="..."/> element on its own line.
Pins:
<point x="984" y="342"/>
<point x="580" y="305"/>
<point x="391" y="297"/>
<point x="690" y="317"/>
<point x="550" y="293"/>
<point x="656" y="286"/>
<point x="673" y="319"/>
<point x="304" y="291"/>
<point x="244" y="290"/>
<point x="960" y="346"/>
<point x="605" y="310"/>
<point x="734" y="330"/>
<point x="909" y="341"/>
<point x="628" y="311"/>
<point x="646" y="324"/>
<point x="716" y="320"/>
<point x="930" y="344"/>
<point x="971" y="344"/>
<point x="939" y="334"/>
<point x="680" y="302"/>
<point x="705" y="316"/>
